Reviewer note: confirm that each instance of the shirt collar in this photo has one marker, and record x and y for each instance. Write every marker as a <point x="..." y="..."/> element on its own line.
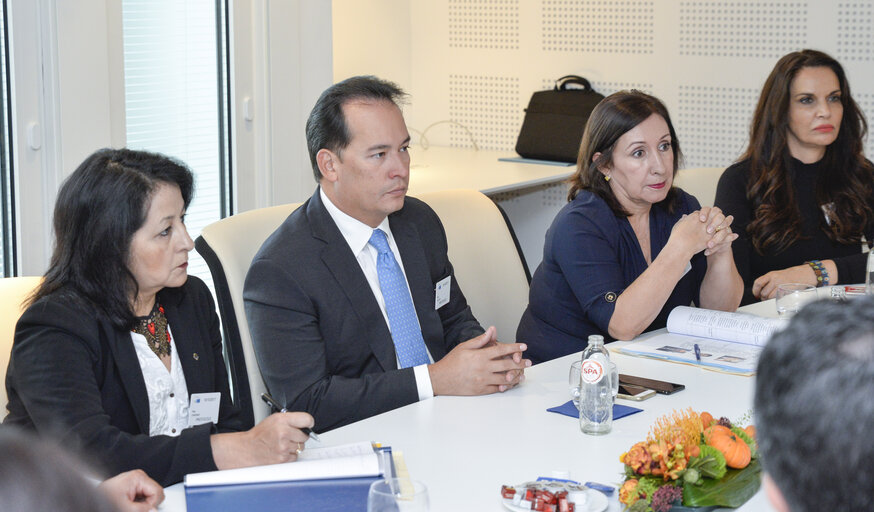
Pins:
<point x="356" y="233"/>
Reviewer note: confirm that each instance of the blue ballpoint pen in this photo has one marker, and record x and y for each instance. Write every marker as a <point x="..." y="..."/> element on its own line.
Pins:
<point x="269" y="400"/>
<point x="697" y="353"/>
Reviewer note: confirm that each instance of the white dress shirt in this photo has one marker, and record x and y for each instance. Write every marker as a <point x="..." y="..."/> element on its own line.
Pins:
<point x="168" y="393"/>
<point x="357" y="234"/>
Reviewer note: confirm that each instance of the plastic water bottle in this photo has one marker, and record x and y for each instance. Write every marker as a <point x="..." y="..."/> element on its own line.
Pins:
<point x="596" y="392"/>
<point x="869" y="274"/>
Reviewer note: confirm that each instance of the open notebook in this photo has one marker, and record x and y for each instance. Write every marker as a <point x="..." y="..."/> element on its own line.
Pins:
<point x="728" y="342"/>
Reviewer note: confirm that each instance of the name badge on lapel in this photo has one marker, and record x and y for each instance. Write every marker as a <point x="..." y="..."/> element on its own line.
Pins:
<point x="441" y="292"/>
<point x="204" y="408"/>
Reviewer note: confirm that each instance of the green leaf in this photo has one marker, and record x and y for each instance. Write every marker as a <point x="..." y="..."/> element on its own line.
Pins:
<point x="733" y="490"/>
<point x="754" y="449"/>
<point x="710" y="462"/>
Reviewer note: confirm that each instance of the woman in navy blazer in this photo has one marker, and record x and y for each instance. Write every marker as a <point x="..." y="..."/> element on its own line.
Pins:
<point x="628" y="247"/>
<point x="118" y="337"/>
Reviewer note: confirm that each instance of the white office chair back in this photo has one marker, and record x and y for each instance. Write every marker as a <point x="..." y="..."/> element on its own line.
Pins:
<point x="487" y="261"/>
<point x="700" y="182"/>
<point x="13" y="290"/>
<point x="228" y="246"/>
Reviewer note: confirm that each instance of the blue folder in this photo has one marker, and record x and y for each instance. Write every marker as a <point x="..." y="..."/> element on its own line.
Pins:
<point x="332" y="495"/>
<point x="324" y="495"/>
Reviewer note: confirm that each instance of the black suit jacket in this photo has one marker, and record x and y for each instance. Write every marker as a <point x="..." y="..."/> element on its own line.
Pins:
<point x="321" y="340"/>
<point x="75" y="376"/>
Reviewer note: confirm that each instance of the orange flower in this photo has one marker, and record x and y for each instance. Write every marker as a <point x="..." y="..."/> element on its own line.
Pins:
<point x="638" y="459"/>
<point x="628" y="492"/>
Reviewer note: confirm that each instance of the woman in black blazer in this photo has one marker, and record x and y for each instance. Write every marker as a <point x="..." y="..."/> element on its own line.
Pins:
<point x="119" y="350"/>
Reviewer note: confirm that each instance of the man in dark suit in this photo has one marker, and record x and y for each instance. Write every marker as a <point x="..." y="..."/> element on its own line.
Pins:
<point x="352" y="303"/>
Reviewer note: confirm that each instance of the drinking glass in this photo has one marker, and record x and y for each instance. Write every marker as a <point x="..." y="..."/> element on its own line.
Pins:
<point x="573" y="381"/>
<point x="792" y="296"/>
<point x="397" y="495"/>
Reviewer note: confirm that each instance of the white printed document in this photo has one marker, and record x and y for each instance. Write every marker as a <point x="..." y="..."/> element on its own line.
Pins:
<point x="348" y="460"/>
<point x="727" y="342"/>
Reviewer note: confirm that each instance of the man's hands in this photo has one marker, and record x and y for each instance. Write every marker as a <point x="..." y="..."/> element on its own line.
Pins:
<point x="479" y="366"/>
<point x="276" y="439"/>
<point x="133" y="491"/>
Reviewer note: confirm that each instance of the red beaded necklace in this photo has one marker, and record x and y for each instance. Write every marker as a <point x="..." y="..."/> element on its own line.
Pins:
<point x="154" y="329"/>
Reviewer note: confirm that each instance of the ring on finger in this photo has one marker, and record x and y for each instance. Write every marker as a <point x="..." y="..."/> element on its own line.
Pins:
<point x="299" y="448"/>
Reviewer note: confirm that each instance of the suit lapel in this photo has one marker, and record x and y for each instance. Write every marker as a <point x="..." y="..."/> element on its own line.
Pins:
<point x="186" y="341"/>
<point x="340" y="261"/>
<point x="130" y="374"/>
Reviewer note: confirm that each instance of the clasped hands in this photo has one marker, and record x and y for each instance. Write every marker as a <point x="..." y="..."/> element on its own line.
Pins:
<point x="707" y="229"/>
<point x="479" y="366"/>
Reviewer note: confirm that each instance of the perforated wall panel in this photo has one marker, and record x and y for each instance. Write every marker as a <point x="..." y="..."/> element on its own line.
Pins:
<point x="866" y="103"/>
<point x="491" y="24"/>
<point x="742" y="29"/>
<point x="712" y="123"/>
<point x="855" y="38"/>
<point x="598" y="26"/>
<point x="489" y="107"/>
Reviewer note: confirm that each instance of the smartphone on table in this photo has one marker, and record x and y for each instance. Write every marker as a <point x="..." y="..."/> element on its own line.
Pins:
<point x="659" y="386"/>
<point x="636" y="393"/>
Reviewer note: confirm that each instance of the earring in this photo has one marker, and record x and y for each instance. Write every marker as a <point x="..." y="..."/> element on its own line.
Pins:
<point x="606" y="178"/>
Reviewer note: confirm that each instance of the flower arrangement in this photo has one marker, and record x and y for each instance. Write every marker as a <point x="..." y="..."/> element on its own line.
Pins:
<point x="693" y="460"/>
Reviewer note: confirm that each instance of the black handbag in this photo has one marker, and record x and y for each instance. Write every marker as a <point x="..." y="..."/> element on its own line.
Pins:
<point x="555" y="120"/>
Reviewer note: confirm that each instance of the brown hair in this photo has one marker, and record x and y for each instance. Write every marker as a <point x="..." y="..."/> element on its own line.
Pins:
<point x="613" y="117"/>
<point x="848" y="184"/>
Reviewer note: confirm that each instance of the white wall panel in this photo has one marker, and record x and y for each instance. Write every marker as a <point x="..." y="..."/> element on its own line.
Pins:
<point x="477" y="62"/>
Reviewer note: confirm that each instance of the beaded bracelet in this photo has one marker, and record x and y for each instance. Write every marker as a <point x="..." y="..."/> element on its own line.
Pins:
<point x="820" y="271"/>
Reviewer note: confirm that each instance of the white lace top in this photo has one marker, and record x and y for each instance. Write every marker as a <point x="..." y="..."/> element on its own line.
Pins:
<point x="168" y="393"/>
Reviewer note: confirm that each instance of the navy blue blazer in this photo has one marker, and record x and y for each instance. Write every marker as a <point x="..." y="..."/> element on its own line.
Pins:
<point x="589" y="258"/>
<point x="320" y="338"/>
<point x="75" y="376"/>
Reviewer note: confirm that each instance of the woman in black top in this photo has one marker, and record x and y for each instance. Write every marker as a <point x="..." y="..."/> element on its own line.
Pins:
<point x="802" y="194"/>
<point x="119" y="349"/>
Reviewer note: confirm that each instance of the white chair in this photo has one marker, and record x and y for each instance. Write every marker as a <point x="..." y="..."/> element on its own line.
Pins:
<point x="700" y="182"/>
<point x="482" y="248"/>
<point x="486" y="257"/>
<point x="228" y="247"/>
<point x="13" y="291"/>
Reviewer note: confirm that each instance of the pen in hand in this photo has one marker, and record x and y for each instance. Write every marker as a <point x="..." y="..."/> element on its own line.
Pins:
<point x="274" y="405"/>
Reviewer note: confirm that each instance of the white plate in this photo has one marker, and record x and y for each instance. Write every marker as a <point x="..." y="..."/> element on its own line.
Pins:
<point x="595" y="502"/>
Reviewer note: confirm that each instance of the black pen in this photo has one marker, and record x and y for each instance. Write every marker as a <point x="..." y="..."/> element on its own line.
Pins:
<point x="269" y="400"/>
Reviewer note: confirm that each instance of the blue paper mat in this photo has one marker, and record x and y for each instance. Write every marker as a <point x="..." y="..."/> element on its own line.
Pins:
<point x="569" y="409"/>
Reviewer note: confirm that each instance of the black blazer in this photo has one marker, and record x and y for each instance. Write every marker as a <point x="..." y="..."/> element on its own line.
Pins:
<point x="75" y="376"/>
<point x="320" y="338"/>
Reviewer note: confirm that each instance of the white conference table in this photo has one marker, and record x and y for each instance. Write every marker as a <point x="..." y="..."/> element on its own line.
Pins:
<point x="465" y="448"/>
<point x="440" y="168"/>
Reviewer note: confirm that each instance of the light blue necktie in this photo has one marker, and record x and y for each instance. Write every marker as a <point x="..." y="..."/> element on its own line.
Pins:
<point x="405" y="331"/>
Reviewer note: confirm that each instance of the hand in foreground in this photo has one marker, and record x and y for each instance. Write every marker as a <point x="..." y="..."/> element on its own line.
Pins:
<point x="719" y="227"/>
<point x="765" y="287"/>
<point x="133" y="491"/>
<point x="276" y="439"/>
<point x="479" y="366"/>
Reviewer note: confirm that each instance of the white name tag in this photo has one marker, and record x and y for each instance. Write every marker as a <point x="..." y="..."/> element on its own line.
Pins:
<point x="441" y="293"/>
<point x="204" y="408"/>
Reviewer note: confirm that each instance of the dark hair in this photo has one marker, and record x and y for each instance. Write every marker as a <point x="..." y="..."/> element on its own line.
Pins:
<point x="326" y="127"/>
<point x="777" y="219"/>
<point x="815" y="445"/>
<point x="614" y="116"/>
<point x="36" y="475"/>
<point x="99" y="208"/>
